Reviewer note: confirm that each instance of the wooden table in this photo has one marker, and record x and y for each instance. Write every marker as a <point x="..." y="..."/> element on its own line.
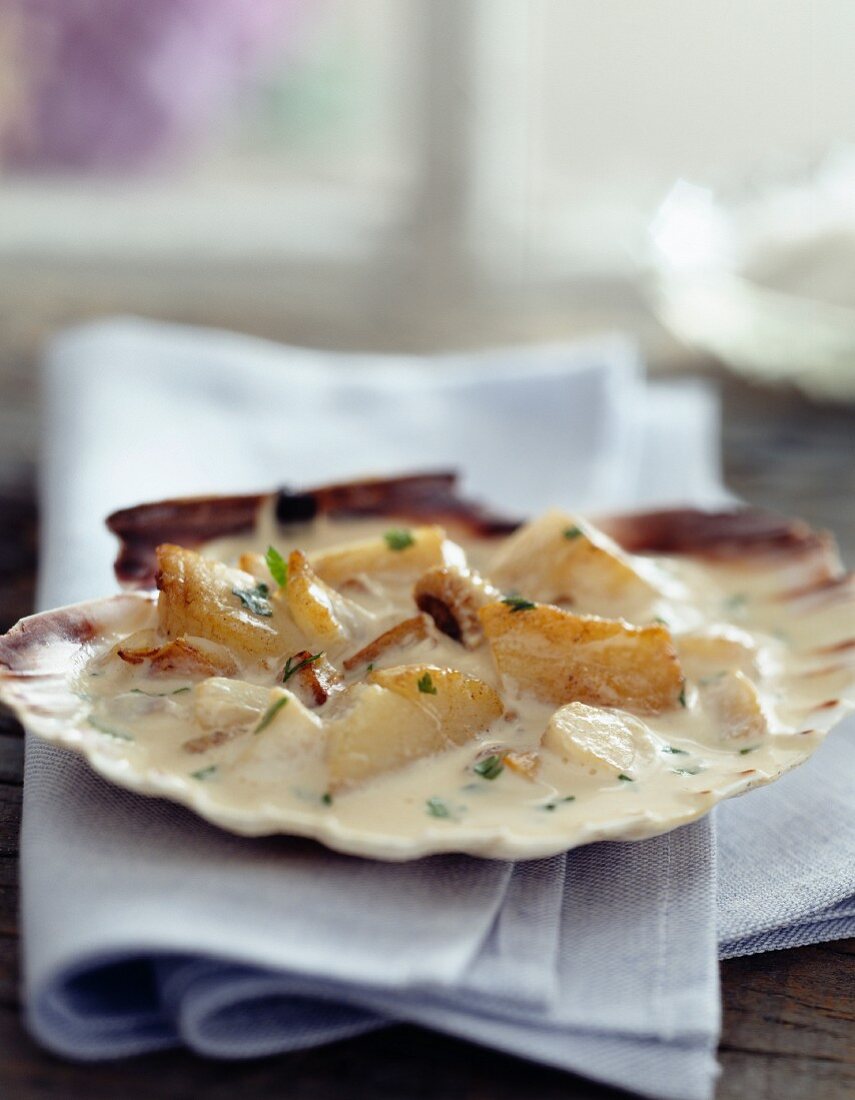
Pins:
<point x="789" y="1016"/>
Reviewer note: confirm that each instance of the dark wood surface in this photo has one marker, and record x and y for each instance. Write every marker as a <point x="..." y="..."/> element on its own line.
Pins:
<point x="789" y="1016"/>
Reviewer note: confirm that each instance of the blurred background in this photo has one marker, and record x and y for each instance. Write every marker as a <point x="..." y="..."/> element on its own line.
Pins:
<point x="431" y="174"/>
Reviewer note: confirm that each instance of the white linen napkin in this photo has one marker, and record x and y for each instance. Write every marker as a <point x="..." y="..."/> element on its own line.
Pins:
<point x="602" y="961"/>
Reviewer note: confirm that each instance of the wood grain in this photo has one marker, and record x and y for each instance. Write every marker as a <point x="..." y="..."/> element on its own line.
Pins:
<point x="789" y="1016"/>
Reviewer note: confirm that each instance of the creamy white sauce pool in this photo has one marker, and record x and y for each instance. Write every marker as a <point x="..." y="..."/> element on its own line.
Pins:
<point x="146" y="722"/>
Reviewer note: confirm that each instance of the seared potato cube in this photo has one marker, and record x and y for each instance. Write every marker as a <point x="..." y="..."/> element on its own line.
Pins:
<point x="393" y="722"/>
<point x="403" y="553"/>
<point x="206" y="598"/>
<point x="381" y="731"/>
<point x="599" y="740"/>
<point x="461" y="704"/>
<point x="325" y="617"/>
<point x="559" y="657"/>
<point x="558" y="559"/>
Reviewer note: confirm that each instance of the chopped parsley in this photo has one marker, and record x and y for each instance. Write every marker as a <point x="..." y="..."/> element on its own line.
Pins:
<point x="108" y="730"/>
<point x="399" y="539"/>
<point x="490" y="767"/>
<point x="682" y="696"/>
<point x="736" y="602"/>
<point x="746" y="751"/>
<point x="518" y="603"/>
<point x="290" y="669"/>
<point x="270" y="714"/>
<point x="676" y="752"/>
<point x="370" y="667"/>
<point x="326" y="798"/>
<point x="626" y="778"/>
<point x="572" y="532"/>
<point x="158" y="694"/>
<point x="436" y="807"/>
<point x="277" y="565"/>
<point x="204" y="773"/>
<point x="686" y="771"/>
<point x="660" y="620"/>
<point x="549" y="806"/>
<point x="426" y="685"/>
<point x="255" y="599"/>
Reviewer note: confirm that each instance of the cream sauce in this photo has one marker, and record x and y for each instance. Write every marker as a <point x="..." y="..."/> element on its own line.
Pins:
<point x="251" y="781"/>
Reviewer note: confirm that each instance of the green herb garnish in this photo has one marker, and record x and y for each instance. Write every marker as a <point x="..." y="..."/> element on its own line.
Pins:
<point x="158" y="694"/>
<point x="370" y="667"/>
<point x="572" y="532"/>
<point x="660" y="620"/>
<point x="686" y="771"/>
<point x="426" y="685"/>
<point x="751" y="748"/>
<point x="108" y="730"/>
<point x="518" y="603"/>
<point x="326" y="798"/>
<point x="554" y="805"/>
<point x="626" y="778"/>
<point x="204" y="773"/>
<point x="399" y="539"/>
<point x="682" y="696"/>
<point x="290" y="670"/>
<point x="255" y="599"/>
<point x="676" y="752"/>
<point x="489" y="767"/>
<point x="277" y="565"/>
<point x="437" y="808"/>
<point x="270" y="714"/>
<point x="736" y="602"/>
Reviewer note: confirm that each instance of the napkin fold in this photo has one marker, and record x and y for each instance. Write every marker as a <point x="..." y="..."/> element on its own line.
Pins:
<point x="602" y="961"/>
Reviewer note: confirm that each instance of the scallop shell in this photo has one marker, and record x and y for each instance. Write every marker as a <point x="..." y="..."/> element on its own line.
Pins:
<point x="786" y="565"/>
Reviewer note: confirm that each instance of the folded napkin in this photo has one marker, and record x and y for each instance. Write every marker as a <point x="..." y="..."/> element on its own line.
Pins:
<point x="602" y="961"/>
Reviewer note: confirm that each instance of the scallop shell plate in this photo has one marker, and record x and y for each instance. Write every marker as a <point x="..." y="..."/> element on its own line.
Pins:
<point x="793" y="573"/>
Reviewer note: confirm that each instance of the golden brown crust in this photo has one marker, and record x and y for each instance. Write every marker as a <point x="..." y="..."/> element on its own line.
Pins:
<point x="403" y="633"/>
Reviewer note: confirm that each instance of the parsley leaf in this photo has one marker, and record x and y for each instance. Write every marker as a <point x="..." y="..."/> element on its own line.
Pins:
<point x="204" y="773"/>
<point x="489" y="767"/>
<point x="270" y="714"/>
<point x="750" y="748"/>
<point x="626" y="778"/>
<point x="277" y="565"/>
<point x="676" y="752"/>
<point x="572" y="532"/>
<point x="158" y="694"/>
<point x="437" y="808"/>
<point x="518" y="603"/>
<point x="399" y="539"/>
<point x="682" y="696"/>
<point x="426" y="685"/>
<point x="110" y="732"/>
<point x="255" y="599"/>
<point x="326" y="798"/>
<point x="290" y="669"/>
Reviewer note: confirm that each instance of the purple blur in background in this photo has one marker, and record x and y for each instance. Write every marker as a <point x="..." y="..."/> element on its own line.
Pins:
<point x="115" y="85"/>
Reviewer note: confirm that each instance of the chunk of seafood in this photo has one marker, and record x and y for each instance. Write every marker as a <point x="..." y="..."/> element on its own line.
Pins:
<point x="452" y="596"/>
<point x="179" y="657"/>
<point x="325" y="617"/>
<point x="732" y="701"/>
<point x="597" y="739"/>
<point x="559" y="559"/>
<point x="559" y="657"/>
<point x="461" y="704"/>
<point x="400" y="635"/>
<point x="202" y="597"/>
<point x="404" y="553"/>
